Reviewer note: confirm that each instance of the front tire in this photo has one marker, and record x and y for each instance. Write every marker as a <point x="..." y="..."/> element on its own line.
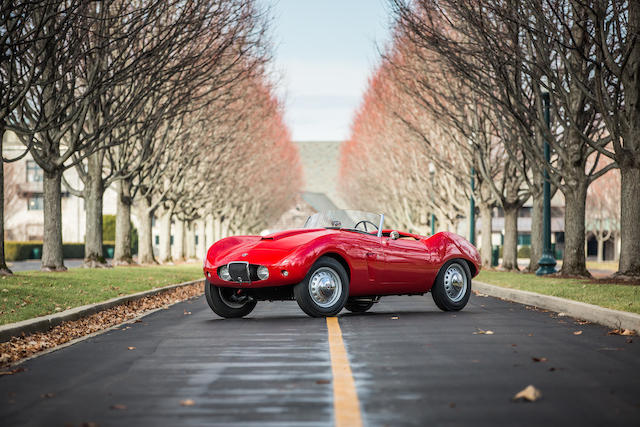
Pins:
<point x="225" y="303"/>
<point x="452" y="287"/>
<point x="325" y="289"/>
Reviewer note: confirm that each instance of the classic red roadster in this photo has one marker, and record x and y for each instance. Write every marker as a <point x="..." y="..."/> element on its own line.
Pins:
<point x="340" y="259"/>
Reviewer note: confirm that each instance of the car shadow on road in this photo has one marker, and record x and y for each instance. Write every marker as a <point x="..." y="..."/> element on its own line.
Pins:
<point x="413" y="313"/>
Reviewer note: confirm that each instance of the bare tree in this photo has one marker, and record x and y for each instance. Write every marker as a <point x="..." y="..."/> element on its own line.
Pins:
<point x="613" y="27"/>
<point x="21" y="26"/>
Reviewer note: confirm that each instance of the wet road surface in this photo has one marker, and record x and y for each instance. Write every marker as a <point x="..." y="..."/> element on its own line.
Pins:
<point x="412" y="365"/>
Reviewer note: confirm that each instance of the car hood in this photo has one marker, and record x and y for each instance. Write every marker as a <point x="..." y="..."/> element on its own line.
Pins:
<point x="268" y="249"/>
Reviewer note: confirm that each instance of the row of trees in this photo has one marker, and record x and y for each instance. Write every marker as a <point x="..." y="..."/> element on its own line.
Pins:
<point x="464" y="86"/>
<point x="168" y="101"/>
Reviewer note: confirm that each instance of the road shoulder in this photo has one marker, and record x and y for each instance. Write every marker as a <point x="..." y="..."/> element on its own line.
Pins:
<point x="579" y="310"/>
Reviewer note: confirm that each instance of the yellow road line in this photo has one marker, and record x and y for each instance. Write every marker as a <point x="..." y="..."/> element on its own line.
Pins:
<point x="345" y="398"/>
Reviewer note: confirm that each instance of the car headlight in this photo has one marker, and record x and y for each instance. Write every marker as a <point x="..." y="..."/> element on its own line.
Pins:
<point x="263" y="272"/>
<point x="223" y="272"/>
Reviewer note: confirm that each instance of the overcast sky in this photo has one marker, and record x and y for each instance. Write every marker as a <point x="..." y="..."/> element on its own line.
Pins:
<point x="325" y="51"/>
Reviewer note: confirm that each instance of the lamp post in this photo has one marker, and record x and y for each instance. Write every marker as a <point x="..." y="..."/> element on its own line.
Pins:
<point x="432" y="172"/>
<point x="547" y="262"/>
<point x="472" y="208"/>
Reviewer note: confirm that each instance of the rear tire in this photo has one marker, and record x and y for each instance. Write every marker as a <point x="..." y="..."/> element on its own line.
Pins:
<point x="224" y="303"/>
<point x="324" y="290"/>
<point x="358" y="306"/>
<point x="452" y="287"/>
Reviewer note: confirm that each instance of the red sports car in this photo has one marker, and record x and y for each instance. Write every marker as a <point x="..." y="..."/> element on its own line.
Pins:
<point x="340" y="259"/>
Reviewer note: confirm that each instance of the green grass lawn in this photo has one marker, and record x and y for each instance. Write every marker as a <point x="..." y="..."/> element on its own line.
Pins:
<point x="617" y="297"/>
<point x="32" y="294"/>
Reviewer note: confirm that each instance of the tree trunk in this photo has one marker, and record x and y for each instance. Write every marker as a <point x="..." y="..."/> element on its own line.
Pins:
<point x="536" y="232"/>
<point x="178" y="239"/>
<point x="629" y="222"/>
<point x="165" y="236"/>
<point x="485" y="235"/>
<point x="4" y="270"/>
<point x="190" y="240"/>
<point x="145" y="243"/>
<point x="122" y="252"/>
<point x="510" y="249"/>
<point x="208" y="232"/>
<point x="217" y="229"/>
<point x="600" y="249"/>
<point x="93" y="195"/>
<point x="52" y="257"/>
<point x="225" y="228"/>
<point x="574" y="261"/>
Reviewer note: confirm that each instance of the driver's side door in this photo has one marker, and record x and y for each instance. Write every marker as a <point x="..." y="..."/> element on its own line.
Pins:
<point x="406" y="267"/>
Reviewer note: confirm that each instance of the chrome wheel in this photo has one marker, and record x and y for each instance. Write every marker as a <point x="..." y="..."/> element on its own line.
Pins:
<point x="325" y="287"/>
<point x="231" y="299"/>
<point x="455" y="282"/>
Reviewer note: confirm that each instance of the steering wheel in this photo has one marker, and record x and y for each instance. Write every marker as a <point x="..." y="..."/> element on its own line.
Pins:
<point x="364" y="223"/>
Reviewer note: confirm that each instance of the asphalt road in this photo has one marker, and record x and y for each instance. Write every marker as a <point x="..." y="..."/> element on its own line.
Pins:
<point x="424" y="367"/>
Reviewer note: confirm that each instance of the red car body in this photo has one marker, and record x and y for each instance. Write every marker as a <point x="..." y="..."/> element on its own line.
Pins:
<point x="376" y="265"/>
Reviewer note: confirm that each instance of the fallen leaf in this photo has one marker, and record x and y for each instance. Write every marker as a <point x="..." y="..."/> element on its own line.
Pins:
<point x="323" y="382"/>
<point x="119" y="406"/>
<point x="131" y="348"/>
<point x="628" y="340"/>
<point x="483" y="332"/>
<point x="577" y="332"/>
<point x="539" y="359"/>
<point x="187" y="402"/>
<point x="452" y="405"/>
<point x="529" y="393"/>
<point x="552" y="369"/>
<point x="47" y="395"/>
<point x="187" y="312"/>
<point x="625" y="332"/>
<point x="561" y="314"/>
<point x="137" y="321"/>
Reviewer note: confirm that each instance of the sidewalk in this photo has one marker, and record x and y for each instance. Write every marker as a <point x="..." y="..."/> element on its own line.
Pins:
<point x="34" y="264"/>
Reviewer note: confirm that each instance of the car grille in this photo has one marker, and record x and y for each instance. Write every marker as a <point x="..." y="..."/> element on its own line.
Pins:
<point x="239" y="272"/>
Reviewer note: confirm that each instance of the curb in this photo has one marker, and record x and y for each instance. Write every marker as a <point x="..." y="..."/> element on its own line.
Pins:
<point x="44" y="323"/>
<point x="579" y="310"/>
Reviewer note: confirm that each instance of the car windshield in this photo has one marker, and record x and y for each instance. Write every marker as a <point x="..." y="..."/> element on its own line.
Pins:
<point x="365" y="222"/>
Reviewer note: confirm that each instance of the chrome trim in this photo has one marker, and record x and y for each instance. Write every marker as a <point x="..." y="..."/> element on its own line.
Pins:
<point x="246" y="263"/>
<point x="381" y="222"/>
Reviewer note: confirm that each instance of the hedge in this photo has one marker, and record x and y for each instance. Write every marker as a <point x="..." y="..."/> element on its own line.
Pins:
<point x="16" y="251"/>
<point x="524" y="252"/>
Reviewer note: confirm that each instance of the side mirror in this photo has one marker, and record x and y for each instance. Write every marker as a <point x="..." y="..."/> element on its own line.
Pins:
<point x="394" y="235"/>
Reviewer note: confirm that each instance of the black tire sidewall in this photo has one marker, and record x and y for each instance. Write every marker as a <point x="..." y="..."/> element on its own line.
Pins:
<point x="303" y="298"/>
<point x="439" y="293"/>
<point x="219" y="307"/>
